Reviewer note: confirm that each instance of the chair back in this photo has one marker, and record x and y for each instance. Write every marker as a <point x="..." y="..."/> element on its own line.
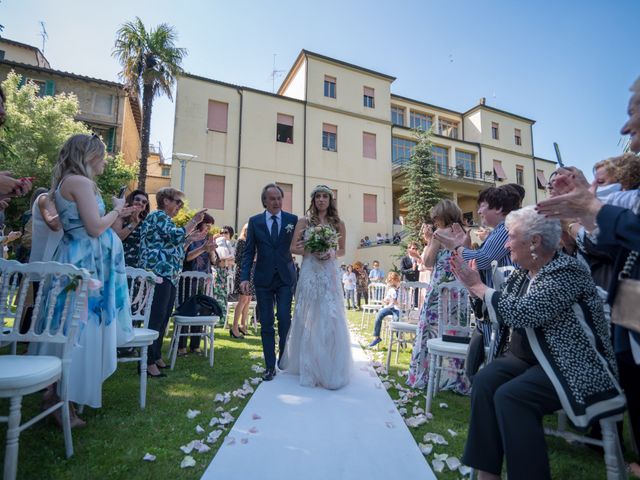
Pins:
<point x="60" y="300"/>
<point x="142" y="285"/>
<point x="409" y="310"/>
<point x="193" y="283"/>
<point x="376" y="292"/>
<point x="454" y="310"/>
<point x="499" y="275"/>
<point x="231" y="278"/>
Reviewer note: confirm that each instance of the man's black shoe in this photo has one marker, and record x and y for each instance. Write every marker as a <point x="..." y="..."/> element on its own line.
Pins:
<point x="269" y="373"/>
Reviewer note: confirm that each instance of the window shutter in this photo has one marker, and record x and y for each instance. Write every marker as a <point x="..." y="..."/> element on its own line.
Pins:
<point x="50" y="88"/>
<point x="370" y="213"/>
<point x="213" y="192"/>
<point x="368" y="145"/>
<point x="285" y="119"/>
<point x="111" y="139"/>
<point x="369" y="92"/>
<point x="217" y="116"/>
<point x="287" y="198"/>
<point x="329" y="128"/>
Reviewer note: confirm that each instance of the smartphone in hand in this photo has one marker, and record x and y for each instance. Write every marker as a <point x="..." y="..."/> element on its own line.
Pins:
<point x="122" y="191"/>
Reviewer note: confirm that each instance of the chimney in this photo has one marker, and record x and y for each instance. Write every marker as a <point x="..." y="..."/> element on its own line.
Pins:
<point x="483" y="100"/>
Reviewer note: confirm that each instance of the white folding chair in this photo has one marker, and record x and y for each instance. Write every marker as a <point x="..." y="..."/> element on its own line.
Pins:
<point x="407" y="324"/>
<point x="59" y="303"/>
<point x="192" y="283"/>
<point x="454" y="314"/>
<point x="376" y="293"/>
<point x="142" y="284"/>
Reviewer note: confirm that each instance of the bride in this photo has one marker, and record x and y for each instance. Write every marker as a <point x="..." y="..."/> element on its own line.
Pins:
<point x="318" y="347"/>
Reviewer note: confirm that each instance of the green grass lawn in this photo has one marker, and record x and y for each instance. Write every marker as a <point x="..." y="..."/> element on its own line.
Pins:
<point x="119" y="434"/>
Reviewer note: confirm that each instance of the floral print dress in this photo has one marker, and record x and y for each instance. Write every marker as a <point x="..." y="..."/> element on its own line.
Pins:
<point x="428" y="328"/>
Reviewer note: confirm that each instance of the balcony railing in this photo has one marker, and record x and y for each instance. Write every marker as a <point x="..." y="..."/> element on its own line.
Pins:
<point x="452" y="172"/>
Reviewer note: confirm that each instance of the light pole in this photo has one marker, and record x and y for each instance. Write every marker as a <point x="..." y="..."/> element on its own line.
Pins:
<point x="183" y="158"/>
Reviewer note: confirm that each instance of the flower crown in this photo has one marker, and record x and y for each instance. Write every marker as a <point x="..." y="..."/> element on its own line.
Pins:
<point x="322" y="188"/>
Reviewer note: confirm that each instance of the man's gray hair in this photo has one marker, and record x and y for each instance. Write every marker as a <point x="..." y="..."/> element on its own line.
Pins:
<point x="532" y="223"/>
<point x="263" y="196"/>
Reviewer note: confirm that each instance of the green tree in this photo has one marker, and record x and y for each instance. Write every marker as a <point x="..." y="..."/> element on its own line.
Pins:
<point x="35" y="130"/>
<point x="150" y="63"/>
<point x="423" y="187"/>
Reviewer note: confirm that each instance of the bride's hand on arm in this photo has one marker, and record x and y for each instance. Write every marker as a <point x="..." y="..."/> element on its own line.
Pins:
<point x="297" y="243"/>
<point x="342" y="231"/>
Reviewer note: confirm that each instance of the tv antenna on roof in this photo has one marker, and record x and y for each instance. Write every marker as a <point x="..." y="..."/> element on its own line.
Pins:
<point x="275" y="74"/>
<point x="43" y="34"/>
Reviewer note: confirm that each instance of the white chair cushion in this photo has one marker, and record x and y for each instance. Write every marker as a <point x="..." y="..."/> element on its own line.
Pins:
<point x="201" y="320"/>
<point x="403" y="327"/>
<point x="141" y="336"/>
<point x="23" y="371"/>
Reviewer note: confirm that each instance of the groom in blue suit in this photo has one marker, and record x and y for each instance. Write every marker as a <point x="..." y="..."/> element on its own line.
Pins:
<point x="269" y="237"/>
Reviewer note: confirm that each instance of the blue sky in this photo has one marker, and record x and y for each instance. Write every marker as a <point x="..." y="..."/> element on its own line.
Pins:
<point x="567" y="64"/>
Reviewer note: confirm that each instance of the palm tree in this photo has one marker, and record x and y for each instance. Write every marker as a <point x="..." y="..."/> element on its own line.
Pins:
<point x="150" y="63"/>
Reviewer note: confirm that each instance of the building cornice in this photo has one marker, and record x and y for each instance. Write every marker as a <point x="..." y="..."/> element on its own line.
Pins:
<point x="60" y="73"/>
<point x="505" y="150"/>
<point x="425" y="104"/>
<point x="241" y="87"/>
<point x="497" y="110"/>
<point x="351" y="114"/>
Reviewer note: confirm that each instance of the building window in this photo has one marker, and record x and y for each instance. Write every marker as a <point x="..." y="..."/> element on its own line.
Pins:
<point x="213" y="192"/>
<point x="397" y="116"/>
<point x="370" y="208"/>
<point x="498" y="171"/>
<point x="520" y="175"/>
<point x="517" y="136"/>
<point x="287" y="196"/>
<point x="217" y="116"/>
<point x="108" y="136"/>
<point x="466" y="164"/>
<point x="329" y="86"/>
<point x="441" y="157"/>
<point x="284" y="128"/>
<point x="368" y="97"/>
<point x="166" y="171"/>
<point x="103" y="104"/>
<point x="540" y="179"/>
<point x="368" y="145"/>
<point x="448" y="128"/>
<point x="495" y="131"/>
<point x="401" y="150"/>
<point x="329" y="137"/>
<point x="420" y="121"/>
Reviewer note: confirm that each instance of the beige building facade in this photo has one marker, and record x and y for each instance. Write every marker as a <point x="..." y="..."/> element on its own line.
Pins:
<point x="338" y="124"/>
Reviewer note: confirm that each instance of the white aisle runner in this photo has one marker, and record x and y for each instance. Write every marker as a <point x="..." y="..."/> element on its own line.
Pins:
<point x="311" y="433"/>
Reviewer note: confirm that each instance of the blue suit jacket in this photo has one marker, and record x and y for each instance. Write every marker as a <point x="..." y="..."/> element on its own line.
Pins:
<point x="273" y="258"/>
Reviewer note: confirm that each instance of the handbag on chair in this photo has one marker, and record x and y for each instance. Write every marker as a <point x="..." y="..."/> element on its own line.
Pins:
<point x="625" y="306"/>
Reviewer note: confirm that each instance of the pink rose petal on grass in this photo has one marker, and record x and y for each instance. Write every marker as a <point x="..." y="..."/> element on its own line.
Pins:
<point x="149" y="458"/>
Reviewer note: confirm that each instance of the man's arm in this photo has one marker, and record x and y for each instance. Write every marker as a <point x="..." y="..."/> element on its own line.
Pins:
<point x="249" y="253"/>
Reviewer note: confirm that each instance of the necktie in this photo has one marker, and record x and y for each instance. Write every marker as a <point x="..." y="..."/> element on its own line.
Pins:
<point x="274" y="228"/>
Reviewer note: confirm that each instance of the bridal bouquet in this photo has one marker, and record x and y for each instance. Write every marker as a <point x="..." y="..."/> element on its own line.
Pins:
<point x="320" y="239"/>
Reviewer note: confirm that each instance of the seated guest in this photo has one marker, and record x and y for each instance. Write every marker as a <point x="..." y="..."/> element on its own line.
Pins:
<point x="162" y="250"/>
<point x="396" y="238"/>
<point x="379" y="239"/>
<point x="387" y="238"/>
<point x="367" y="242"/>
<point x="128" y="229"/>
<point x="362" y="243"/>
<point x="560" y="353"/>
<point x="390" y="306"/>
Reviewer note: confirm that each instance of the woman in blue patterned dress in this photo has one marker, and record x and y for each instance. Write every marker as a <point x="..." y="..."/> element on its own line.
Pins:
<point x="89" y="243"/>
<point x="162" y="250"/>
<point x="444" y="215"/>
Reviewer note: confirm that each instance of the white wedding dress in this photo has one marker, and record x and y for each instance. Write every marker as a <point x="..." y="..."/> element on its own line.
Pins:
<point x="318" y="346"/>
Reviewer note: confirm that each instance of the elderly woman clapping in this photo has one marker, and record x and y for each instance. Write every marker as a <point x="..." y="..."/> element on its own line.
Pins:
<point x="560" y="354"/>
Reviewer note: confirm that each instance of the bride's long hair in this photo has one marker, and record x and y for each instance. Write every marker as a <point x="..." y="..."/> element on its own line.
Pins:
<point x="332" y="210"/>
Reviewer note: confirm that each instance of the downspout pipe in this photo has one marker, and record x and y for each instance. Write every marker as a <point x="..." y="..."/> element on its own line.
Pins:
<point x="535" y="173"/>
<point x="239" y="159"/>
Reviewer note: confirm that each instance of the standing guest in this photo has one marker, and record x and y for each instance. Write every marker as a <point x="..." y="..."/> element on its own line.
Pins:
<point x="241" y="312"/>
<point x="199" y="257"/>
<point x="128" y="229"/>
<point x="436" y="257"/>
<point x="410" y="267"/>
<point x="376" y="275"/>
<point x="162" y="250"/>
<point x="89" y="243"/>
<point x="222" y="266"/>
<point x="362" y="284"/>
<point x="349" y="286"/>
